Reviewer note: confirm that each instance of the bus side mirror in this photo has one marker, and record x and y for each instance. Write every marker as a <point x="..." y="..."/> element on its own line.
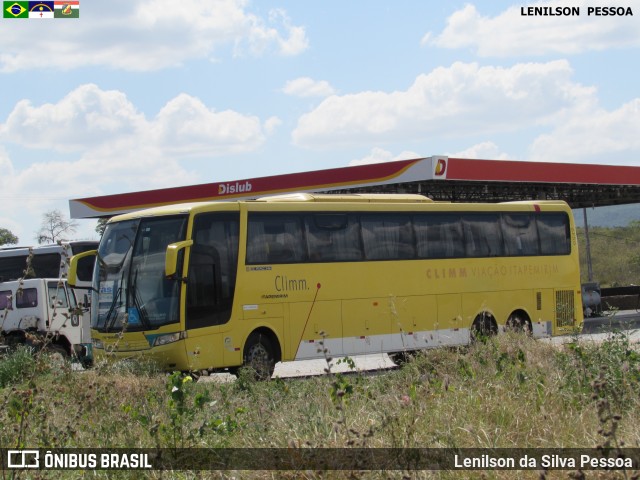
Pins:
<point x="171" y="259"/>
<point x="72" y="276"/>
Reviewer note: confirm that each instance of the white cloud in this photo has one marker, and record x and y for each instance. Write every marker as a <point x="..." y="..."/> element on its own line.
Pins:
<point x="43" y="186"/>
<point x="380" y="155"/>
<point x="512" y="34"/>
<point x="108" y="146"/>
<point x="597" y="136"/>
<point x="89" y="118"/>
<point x="120" y="165"/>
<point x="86" y="116"/>
<point x="6" y="167"/>
<point x="482" y="150"/>
<point x="448" y="102"/>
<point x="151" y="34"/>
<point x="308" y="87"/>
<point x="185" y="126"/>
<point x="260" y="38"/>
<point x="271" y="125"/>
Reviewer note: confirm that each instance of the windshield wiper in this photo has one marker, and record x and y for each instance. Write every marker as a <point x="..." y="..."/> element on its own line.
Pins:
<point x="109" y="321"/>
<point x="144" y="316"/>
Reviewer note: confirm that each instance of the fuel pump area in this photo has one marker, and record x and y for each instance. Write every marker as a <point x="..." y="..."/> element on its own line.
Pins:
<point x="617" y="308"/>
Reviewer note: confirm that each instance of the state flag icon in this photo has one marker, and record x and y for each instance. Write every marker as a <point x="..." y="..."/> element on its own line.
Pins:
<point x="41" y="9"/>
<point x="14" y="9"/>
<point x="68" y="9"/>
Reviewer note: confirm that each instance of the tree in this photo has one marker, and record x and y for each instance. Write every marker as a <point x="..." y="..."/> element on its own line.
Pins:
<point x="102" y="224"/>
<point x="55" y="227"/>
<point x="7" y="238"/>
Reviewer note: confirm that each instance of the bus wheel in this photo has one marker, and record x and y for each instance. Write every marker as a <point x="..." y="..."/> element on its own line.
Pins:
<point x="402" y="358"/>
<point x="519" y="321"/>
<point x="259" y="356"/>
<point x="483" y="326"/>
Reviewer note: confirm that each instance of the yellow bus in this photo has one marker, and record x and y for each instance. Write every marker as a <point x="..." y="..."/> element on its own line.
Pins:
<point x="220" y="285"/>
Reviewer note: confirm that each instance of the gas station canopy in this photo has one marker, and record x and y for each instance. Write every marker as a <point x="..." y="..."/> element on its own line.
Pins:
<point x="440" y="178"/>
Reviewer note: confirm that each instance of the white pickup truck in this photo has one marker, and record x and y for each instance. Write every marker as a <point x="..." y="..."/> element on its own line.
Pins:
<point x="45" y="312"/>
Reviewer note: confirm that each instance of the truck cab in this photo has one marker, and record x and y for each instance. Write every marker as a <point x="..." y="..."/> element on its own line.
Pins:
<point x="44" y="312"/>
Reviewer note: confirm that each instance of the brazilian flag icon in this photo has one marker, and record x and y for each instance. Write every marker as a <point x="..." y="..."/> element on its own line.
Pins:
<point x="13" y="9"/>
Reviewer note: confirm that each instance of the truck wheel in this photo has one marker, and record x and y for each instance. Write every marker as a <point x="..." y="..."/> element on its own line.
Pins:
<point x="57" y="353"/>
<point x="86" y="363"/>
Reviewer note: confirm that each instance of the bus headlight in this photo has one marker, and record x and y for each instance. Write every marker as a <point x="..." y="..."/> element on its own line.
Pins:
<point x="168" y="338"/>
<point x="97" y="343"/>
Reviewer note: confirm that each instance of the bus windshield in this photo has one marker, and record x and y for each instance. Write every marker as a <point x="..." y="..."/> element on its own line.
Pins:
<point x="132" y="291"/>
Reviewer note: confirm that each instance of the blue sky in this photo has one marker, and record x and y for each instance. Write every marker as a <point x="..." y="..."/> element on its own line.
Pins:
<point x="145" y="94"/>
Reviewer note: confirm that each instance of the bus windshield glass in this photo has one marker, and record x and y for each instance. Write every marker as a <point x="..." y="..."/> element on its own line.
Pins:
<point x="131" y="288"/>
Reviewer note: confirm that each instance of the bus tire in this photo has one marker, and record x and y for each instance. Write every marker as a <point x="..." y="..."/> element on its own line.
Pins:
<point x="519" y="321"/>
<point x="483" y="326"/>
<point x="259" y="355"/>
<point x="402" y="358"/>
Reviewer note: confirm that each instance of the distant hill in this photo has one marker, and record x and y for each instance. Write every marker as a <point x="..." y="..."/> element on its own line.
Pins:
<point x="612" y="216"/>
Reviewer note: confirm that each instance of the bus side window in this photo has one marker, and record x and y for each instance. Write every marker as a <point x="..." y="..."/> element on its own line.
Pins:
<point x="256" y="243"/>
<point x="553" y="229"/>
<point x="45" y="265"/>
<point x="275" y="238"/>
<point x="333" y="237"/>
<point x="482" y="235"/>
<point x="439" y="236"/>
<point x="520" y="234"/>
<point x="387" y="236"/>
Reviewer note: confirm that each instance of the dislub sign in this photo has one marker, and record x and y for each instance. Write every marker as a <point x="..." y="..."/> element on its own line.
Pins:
<point x="235" y="187"/>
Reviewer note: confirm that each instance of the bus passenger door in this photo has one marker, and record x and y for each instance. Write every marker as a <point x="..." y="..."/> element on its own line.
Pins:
<point x="211" y="279"/>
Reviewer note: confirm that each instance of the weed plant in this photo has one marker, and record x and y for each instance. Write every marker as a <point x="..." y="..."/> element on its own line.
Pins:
<point x="16" y="366"/>
<point x="509" y="391"/>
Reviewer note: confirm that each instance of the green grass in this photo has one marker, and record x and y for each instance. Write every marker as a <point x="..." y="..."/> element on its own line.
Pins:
<point x="17" y="366"/>
<point x="615" y="254"/>
<point x="510" y="391"/>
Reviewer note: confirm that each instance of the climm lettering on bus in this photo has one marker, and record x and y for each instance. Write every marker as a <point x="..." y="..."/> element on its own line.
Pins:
<point x="236" y="187"/>
<point x="438" y="273"/>
<point x="491" y="271"/>
<point x="284" y="284"/>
